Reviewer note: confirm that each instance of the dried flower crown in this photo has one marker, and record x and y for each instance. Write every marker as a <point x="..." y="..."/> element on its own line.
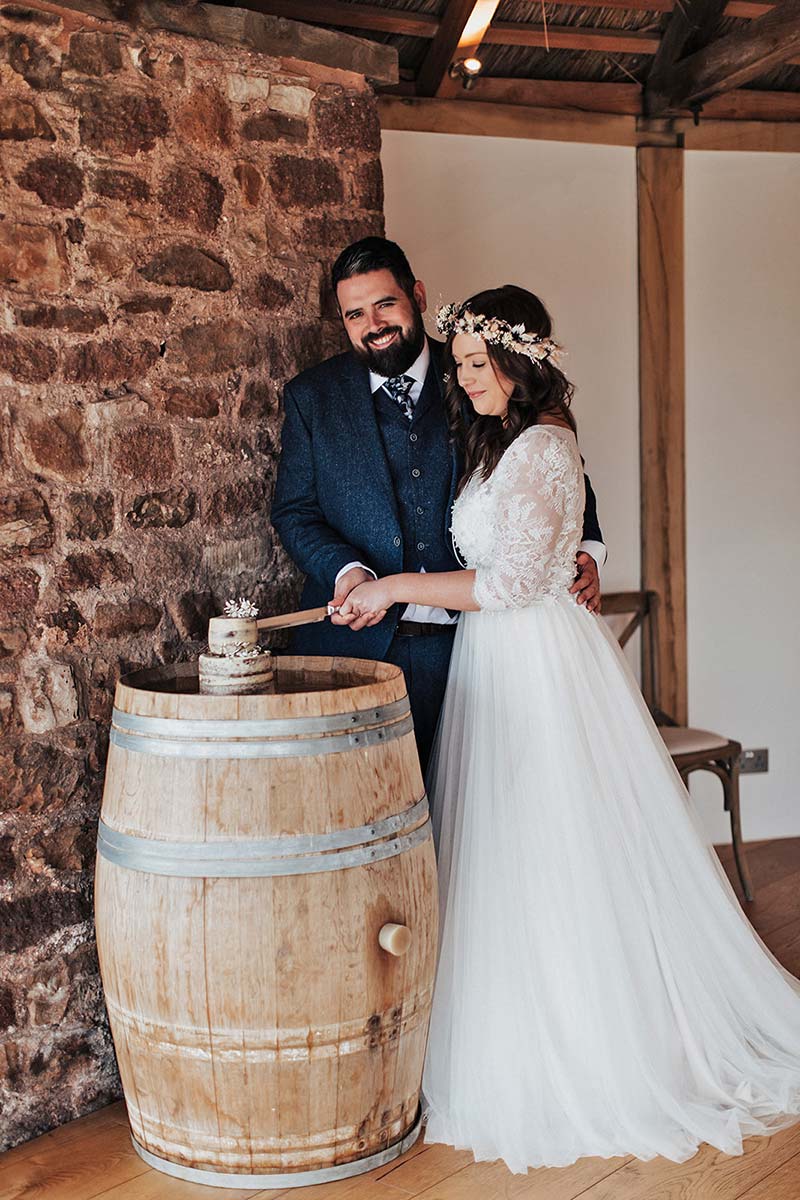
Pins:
<point x="457" y="318"/>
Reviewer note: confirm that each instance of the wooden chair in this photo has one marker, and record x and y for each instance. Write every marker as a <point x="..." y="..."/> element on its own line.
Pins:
<point x="691" y="749"/>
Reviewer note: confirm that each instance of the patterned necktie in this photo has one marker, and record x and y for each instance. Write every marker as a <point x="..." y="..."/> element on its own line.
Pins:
<point x="399" y="389"/>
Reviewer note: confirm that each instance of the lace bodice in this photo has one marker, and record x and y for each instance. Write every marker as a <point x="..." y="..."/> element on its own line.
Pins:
<point x="521" y="528"/>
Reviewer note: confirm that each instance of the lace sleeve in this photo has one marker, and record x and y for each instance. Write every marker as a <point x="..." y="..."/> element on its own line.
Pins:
<point x="537" y="497"/>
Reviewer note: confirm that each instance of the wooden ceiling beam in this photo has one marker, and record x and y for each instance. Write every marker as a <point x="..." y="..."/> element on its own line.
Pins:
<point x="572" y="37"/>
<point x="569" y="125"/>
<point x="692" y="21"/>
<point x="456" y="37"/>
<point x="729" y="62"/>
<point x="626" y="99"/>
<point x="368" y="17"/>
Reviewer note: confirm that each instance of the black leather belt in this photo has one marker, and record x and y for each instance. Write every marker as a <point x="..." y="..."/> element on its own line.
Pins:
<point x="421" y="629"/>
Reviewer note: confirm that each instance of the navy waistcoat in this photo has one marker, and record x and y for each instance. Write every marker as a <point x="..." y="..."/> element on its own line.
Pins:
<point x="418" y="455"/>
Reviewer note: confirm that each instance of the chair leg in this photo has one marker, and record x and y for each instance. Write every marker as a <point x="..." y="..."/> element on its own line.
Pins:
<point x="730" y="784"/>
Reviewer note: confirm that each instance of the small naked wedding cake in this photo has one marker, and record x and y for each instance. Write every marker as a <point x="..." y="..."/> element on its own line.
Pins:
<point x="235" y="664"/>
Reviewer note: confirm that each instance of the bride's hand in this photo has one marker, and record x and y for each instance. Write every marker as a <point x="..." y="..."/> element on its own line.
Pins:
<point x="367" y="603"/>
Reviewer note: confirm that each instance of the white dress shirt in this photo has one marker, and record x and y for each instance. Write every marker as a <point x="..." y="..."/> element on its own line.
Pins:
<point x="420" y="612"/>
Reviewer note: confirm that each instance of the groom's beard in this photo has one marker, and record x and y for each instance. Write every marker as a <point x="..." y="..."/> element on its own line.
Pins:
<point x="397" y="358"/>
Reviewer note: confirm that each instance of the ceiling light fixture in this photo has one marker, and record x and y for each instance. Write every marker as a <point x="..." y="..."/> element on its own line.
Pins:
<point x="467" y="70"/>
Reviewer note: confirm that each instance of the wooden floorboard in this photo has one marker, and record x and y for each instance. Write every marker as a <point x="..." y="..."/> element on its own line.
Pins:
<point x="92" y="1158"/>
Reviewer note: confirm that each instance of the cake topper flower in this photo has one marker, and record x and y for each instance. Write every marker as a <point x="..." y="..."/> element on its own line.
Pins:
<point x="457" y="318"/>
<point x="240" y="608"/>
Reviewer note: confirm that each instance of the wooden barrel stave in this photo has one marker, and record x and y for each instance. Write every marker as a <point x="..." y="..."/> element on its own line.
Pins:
<point x="254" y="1084"/>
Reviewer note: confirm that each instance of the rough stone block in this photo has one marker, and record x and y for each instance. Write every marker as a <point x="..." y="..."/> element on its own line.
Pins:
<point x="147" y="304"/>
<point x="67" y="620"/>
<point x="260" y="401"/>
<point x="102" y="362"/>
<point x="192" y="197"/>
<point x="367" y="185"/>
<point x="247" y="89"/>
<point x="47" y="698"/>
<point x="292" y="99"/>
<point x="251" y="182"/>
<point x="238" y="501"/>
<point x="18" y="592"/>
<point x="121" y="185"/>
<point x="26" y="526"/>
<point x="187" y="266"/>
<point x="157" y="510"/>
<point x="144" y="454"/>
<point x="275" y="127"/>
<point x="194" y="402"/>
<point x="220" y="345"/>
<point x="348" y="123"/>
<point x="305" y="183"/>
<point x="68" y="317"/>
<point x="94" y="53"/>
<point x="31" y="60"/>
<point x="122" y="123"/>
<point x="89" y="516"/>
<point x="92" y="569"/>
<point x="55" y="445"/>
<point x="31" y="257"/>
<point x="110" y="261"/>
<point x="26" y="359"/>
<point x="124" y="620"/>
<point x="204" y="118"/>
<point x="333" y="233"/>
<point x="271" y="293"/>
<point x="68" y="848"/>
<point x="27" y="920"/>
<point x="21" y="14"/>
<point x="21" y="121"/>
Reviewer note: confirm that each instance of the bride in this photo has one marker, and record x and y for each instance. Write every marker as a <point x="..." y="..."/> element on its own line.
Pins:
<point x="599" y="990"/>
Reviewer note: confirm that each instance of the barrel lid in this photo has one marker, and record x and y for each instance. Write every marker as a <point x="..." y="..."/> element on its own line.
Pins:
<point x="304" y="686"/>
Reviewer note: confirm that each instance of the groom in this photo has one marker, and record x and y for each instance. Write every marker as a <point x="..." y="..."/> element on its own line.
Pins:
<point x="367" y="478"/>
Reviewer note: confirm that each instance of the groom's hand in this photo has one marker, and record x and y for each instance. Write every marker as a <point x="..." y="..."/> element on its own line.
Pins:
<point x="344" y="587"/>
<point x="587" y="582"/>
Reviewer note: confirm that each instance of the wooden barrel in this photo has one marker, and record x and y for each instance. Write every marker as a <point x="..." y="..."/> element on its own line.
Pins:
<point x="251" y="851"/>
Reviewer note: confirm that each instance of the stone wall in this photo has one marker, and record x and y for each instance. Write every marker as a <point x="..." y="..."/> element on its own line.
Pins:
<point x="169" y="207"/>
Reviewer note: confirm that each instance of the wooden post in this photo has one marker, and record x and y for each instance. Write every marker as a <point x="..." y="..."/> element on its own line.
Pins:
<point x="662" y="419"/>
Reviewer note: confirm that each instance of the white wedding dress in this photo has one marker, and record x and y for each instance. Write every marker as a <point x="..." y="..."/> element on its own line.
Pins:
<point x="599" y="990"/>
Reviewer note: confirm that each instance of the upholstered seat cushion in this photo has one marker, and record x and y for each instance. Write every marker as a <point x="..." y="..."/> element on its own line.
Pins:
<point x="680" y="740"/>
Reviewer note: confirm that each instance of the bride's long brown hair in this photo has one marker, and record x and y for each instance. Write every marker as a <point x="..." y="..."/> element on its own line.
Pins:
<point x="540" y="388"/>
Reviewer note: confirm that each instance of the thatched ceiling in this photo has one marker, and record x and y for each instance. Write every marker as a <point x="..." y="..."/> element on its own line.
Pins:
<point x="621" y="47"/>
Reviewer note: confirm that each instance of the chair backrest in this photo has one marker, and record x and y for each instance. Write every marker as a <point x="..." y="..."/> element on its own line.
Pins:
<point x="625" y="612"/>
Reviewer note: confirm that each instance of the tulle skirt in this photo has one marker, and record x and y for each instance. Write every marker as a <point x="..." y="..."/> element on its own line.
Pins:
<point x="599" y="990"/>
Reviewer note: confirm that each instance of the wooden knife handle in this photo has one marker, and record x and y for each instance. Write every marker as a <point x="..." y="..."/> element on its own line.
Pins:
<point x="288" y="620"/>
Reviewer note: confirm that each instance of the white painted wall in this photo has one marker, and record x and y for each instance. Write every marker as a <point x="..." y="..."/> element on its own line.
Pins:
<point x="743" y="473"/>
<point x="561" y="219"/>
<point x="475" y="212"/>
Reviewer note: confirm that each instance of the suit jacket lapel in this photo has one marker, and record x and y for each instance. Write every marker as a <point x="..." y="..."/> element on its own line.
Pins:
<point x="360" y="408"/>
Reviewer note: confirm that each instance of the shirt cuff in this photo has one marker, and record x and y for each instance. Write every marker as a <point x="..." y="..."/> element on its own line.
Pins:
<point x="348" y="567"/>
<point x="596" y="550"/>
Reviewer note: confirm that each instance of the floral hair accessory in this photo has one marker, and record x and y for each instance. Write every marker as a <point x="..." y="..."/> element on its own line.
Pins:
<point x="457" y="318"/>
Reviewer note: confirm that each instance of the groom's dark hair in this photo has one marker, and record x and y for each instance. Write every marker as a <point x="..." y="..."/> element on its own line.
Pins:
<point x="373" y="254"/>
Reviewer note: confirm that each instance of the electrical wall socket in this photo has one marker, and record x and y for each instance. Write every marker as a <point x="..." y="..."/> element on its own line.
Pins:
<point x="754" y="762"/>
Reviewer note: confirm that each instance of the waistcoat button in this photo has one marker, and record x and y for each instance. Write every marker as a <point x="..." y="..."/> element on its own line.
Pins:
<point x="397" y="541"/>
